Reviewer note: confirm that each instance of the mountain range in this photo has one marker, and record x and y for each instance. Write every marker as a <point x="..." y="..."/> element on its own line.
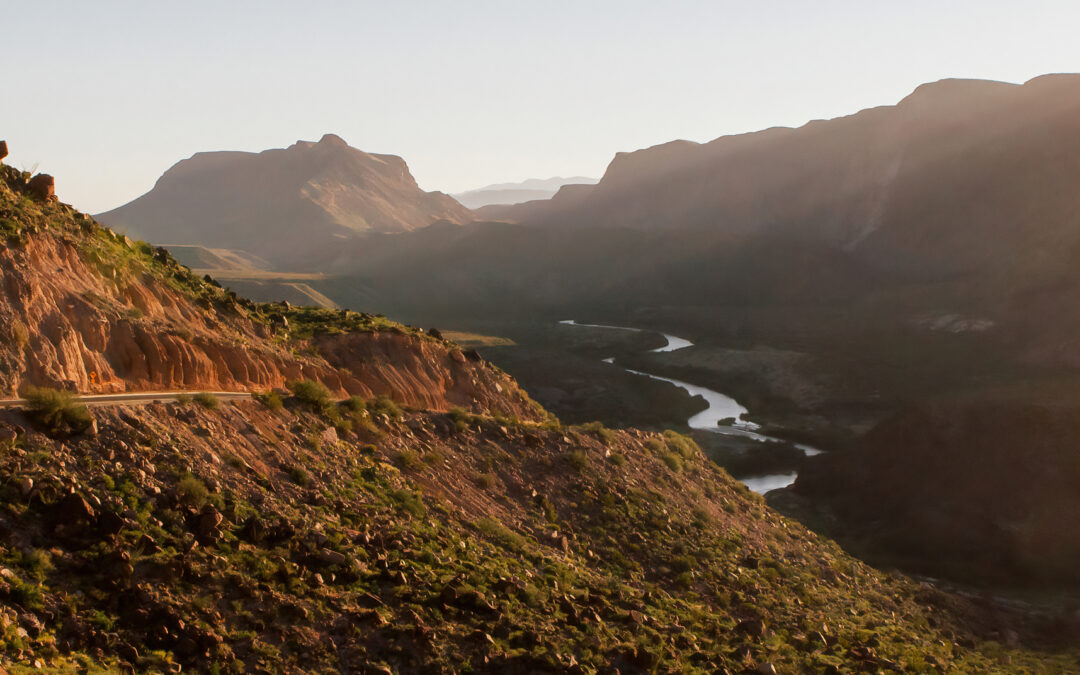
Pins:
<point x="293" y="489"/>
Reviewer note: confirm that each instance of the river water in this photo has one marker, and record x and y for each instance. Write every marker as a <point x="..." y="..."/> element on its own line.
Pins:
<point x="721" y="407"/>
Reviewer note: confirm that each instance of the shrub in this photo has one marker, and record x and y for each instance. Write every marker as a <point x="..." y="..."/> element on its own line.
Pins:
<point x="409" y="501"/>
<point x="577" y="459"/>
<point x="617" y="459"/>
<point x="607" y="436"/>
<point x="684" y="445"/>
<point x="408" y="459"/>
<point x="384" y="405"/>
<point x="314" y="395"/>
<point x="191" y="491"/>
<point x="207" y="400"/>
<point x="56" y="410"/>
<point x="271" y="399"/>
<point x="485" y="481"/>
<point x="673" y="461"/>
<point x="300" y="476"/>
<point x="354" y="405"/>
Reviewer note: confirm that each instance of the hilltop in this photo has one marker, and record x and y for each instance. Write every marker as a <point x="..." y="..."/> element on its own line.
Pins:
<point x="435" y="521"/>
<point x="279" y="204"/>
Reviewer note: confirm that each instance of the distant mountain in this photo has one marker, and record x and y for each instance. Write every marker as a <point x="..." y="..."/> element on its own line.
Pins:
<point x="279" y="203"/>
<point x="516" y="193"/>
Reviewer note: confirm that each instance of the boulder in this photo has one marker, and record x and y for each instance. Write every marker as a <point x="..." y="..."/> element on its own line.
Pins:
<point x="42" y="186"/>
<point x="3" y="149"/>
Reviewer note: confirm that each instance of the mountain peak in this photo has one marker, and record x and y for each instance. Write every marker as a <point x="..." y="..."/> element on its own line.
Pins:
<point x="333" y="140"/>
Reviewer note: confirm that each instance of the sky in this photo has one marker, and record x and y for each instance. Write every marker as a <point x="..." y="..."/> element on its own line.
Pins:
<point x="107" y="95"/>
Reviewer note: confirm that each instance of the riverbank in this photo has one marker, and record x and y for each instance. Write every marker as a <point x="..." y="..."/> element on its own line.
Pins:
<point x="723" y="415"/>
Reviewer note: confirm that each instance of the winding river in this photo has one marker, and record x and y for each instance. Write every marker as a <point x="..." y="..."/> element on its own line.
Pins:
<point x="720" y="407"/>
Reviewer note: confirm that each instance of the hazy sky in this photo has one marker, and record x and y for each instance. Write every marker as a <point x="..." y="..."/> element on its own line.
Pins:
<point x="108" y="95"/>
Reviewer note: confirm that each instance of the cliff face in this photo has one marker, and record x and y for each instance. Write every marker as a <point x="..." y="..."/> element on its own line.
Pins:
<point x="89" y="311"/>
<point x="280" y="204"/>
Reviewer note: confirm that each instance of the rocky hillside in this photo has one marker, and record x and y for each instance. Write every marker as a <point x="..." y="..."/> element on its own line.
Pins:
<point x="315" y="534"/>
<point x="92" y="311"/>
<point x="279" y="204"/>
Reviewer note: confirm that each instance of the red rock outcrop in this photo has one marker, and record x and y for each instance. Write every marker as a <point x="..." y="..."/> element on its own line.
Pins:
<point x="73" y="316"/>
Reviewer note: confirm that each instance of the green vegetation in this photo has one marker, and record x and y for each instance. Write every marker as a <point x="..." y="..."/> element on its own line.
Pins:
<point x="56" y="411"/>
<point x="313" y="395"/>
<point x="271" y="399"/>
<point x="207" y="400"/>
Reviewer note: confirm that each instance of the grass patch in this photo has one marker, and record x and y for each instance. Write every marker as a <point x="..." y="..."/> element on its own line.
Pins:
<point x="207" y="400"/>
<point x="56" y="411"/>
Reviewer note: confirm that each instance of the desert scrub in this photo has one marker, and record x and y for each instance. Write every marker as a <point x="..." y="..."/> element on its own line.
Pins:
<point x="207" y="400"/>
<point x="485" y="481"/>
<point x="597" y="429"/>
<point x="407" y="459"/>
<point x="191" y="491"/>
<point x="617" y="459"/>
<point x="56" y="411"/>
<point x="683" y="445"/>
<point x="271" y="399"/>
<point x="577" y="459"/>
<point x="673" y="460"/>
<point x="384" y="405"/>
<point x="313" y="395"/>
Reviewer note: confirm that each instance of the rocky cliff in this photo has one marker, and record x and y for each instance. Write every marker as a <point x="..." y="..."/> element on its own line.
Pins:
<point x="282" y="204"/>
<point x="92" y="311"/>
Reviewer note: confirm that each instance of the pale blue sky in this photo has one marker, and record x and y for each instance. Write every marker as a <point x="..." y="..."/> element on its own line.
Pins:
<point x="107" y="95"/>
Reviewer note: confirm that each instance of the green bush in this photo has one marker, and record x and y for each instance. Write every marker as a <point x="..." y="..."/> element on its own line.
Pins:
<point x="673" y="461"/>
<point x="408" y="459"/>
<point x="354" y="405"/>
<point x="314" y="395"/>
<point x="684" y="445"/>
<point x="577" y="459"/>
<point x="271" y="399"/>
<point x="207" y="400"/>
<point x="384" y="405"/>
<point x="300" y="476"/>
<point x="191" y="491"/>
<point x="617" y="459"/>
<point x="56" y="410"/>
<point x="607" y="436"/>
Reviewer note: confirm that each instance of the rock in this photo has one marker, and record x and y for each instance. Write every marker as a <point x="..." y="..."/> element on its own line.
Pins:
<point x="110" y="522"/>
<point x="3" y="149"/>
<point x="74" y="509"/>
<point x="766" y="669"/>
<point x="330" y="557"/>
<point x="206" y="527"/>
<point x="754" y="627"/>
<point x="42" y="186"/>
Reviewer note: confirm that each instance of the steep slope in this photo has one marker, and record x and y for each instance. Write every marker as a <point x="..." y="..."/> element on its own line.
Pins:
<point x="356" y="536"/>
<point x="92" y="311"/>
<point x="278" y="203"/>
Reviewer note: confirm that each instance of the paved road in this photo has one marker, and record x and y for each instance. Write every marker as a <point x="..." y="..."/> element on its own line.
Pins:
<point x="137" y="397"/>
